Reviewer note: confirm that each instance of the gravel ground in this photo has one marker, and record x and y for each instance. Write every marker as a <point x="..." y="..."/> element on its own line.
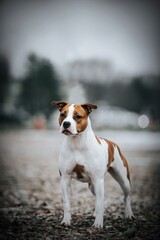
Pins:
<point x="30" y="195"/>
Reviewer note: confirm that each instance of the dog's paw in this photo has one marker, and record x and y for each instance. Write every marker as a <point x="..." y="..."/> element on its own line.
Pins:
<point x="97" y="224"/>
<point x="66" y="222"/>
<point x="129" y="216"/>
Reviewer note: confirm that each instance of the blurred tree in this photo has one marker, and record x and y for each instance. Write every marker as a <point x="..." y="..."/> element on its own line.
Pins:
<point x="40" y="86"/>
<point x="4" y="80"/>
<point x="154" y="97"/>
<point x="95" y="90"/>
<point x="141" y="94"/>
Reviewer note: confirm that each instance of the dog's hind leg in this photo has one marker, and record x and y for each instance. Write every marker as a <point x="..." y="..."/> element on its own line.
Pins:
<point x="120" y="172"/>
<point x="91" y="187"/>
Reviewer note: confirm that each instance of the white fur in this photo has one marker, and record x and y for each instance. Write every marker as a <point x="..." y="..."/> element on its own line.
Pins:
<point x="70" y="119"/>
<point x="85" y="150"/>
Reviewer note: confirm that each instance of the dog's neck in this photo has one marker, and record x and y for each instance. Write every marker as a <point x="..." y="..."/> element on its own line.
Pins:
<point x="83" y="140"/>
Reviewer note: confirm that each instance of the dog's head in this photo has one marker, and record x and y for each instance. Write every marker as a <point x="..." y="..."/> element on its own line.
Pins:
<point x="73" y="118"/>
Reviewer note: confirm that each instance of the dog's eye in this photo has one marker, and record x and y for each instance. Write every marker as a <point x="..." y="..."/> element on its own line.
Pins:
<point x="77" y="117"/>
<point x="63" y="115"/>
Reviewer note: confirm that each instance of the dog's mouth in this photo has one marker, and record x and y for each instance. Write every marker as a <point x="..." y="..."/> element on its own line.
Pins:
<point x="67" y="132"/>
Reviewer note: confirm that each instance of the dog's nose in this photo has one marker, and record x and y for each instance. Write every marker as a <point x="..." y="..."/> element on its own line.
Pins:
<point x="66" y="124"/>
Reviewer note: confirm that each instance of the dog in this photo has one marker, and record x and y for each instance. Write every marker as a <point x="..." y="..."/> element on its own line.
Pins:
<point x="86" y="158"/>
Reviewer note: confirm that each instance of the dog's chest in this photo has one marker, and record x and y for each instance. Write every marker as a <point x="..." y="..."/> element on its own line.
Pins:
<point x="77" y="163"/>
<point x="83" y="161"/>
<point x="80" y="173"/>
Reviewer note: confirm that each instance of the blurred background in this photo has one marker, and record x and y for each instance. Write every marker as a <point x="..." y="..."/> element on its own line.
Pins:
<point x="104" y="52"/>
<point x="98" y="51"/>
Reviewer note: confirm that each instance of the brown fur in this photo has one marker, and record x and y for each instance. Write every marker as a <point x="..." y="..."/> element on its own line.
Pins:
<point x="81" y="123"/>
<point x="125" y="163"/>
<point x="79" y="170"/>
<point x="98" y="140"/>
<point x="111" y="146"/>
<point x="64" y="111"/>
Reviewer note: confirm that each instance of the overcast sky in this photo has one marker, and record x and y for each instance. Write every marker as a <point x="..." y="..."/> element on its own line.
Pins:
<point x="127" y="34"/>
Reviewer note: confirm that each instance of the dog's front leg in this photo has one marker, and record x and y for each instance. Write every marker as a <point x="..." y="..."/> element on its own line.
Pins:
<point x="65" y="185"/>
<point x="99" y="206"/>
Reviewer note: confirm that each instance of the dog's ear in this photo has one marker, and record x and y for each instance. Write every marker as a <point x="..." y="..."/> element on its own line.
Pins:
<point x="88" y="107"/>
<point x="59" y="104"/>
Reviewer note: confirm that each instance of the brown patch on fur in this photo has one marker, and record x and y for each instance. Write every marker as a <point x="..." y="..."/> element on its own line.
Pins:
<point x="125" y="163"/>
<point x="64" y="111"/>
<point x="60" y="104"/>
<point x="81" y="122"/>
<point x="88" y="107"/>
<point x="79" y="170"/>
<point x="111" y="146"/>
<point x="98" y="140"/>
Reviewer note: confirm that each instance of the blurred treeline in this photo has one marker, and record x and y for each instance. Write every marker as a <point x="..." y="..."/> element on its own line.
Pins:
<point x="27" y="96"/>
<point x="141" y="94"/>
<point x="24" y="97"/>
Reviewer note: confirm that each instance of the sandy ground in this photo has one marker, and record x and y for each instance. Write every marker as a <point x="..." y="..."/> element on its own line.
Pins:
<point x="30" y="195"/>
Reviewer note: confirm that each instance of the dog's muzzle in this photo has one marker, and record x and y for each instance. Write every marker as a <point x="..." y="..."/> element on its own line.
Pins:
<point x="66" y="124"/>
<point x="67" y="130"/>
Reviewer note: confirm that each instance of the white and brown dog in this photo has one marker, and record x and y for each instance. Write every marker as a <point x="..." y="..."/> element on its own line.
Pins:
<point x="85" y="157"/>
